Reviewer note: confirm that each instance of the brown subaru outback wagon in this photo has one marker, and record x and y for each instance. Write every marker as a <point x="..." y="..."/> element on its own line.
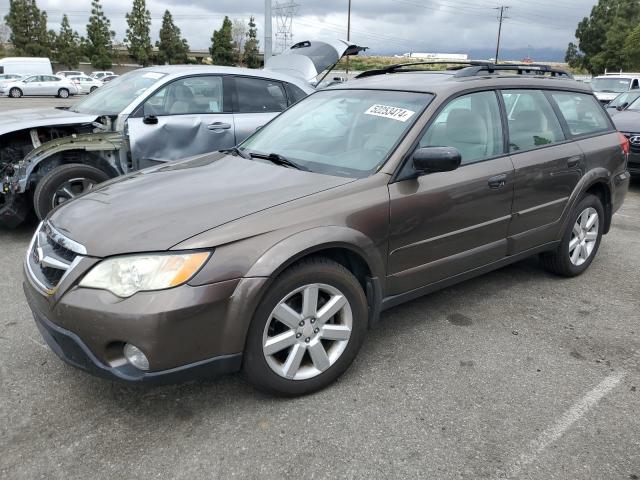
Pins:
<point x="276" y="256"/>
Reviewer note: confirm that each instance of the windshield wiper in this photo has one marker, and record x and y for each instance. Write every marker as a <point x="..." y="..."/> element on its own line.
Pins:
<point x="237" y="151"/>
<point x="278" y="160"/>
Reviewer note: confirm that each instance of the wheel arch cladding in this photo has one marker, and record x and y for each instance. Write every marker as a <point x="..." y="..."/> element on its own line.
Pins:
<point x="600" y="188"/>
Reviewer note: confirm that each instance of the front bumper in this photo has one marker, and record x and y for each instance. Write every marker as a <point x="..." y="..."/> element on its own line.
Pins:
<point x="185" y="332"/>
<point x="633" y="165"/>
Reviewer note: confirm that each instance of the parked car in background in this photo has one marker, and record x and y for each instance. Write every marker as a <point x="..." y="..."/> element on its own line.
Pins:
<point x="108" y="78"/>
<point x="69" y="73"/>
<point x="84" y="83"/>
<point x="622" y="102"/>
<point x="41" y="85"/>
<point x="628" y="122"/>
<point x="277" y="256"/>
<point x="26" y="65"/>
<point x="608" y="86"/>
<point x="144" y="118"/>
<point x="100" y="74"/>
<point x="10" y="77"/>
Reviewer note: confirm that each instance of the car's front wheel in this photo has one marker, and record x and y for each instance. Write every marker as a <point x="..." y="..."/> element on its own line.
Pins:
<point x="15" y="92"/>
<point x="64" y="183"/>
<point x="93" y="89"/>
<point x="580" y="241"/>
<point x="63" y="93"/>
<point x="307" y="329"/>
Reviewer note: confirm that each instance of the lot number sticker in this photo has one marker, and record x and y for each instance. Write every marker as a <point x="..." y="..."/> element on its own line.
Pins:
<point x="395" y="113"/>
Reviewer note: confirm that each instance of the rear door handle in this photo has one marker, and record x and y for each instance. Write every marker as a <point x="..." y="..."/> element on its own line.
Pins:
<point x="219" y="126"/>
<point x="573" y="162"/>
<point x="498" y="181"/>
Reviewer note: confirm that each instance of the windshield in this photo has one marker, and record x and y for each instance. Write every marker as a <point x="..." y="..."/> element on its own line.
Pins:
<point x="610" y="85"/>
<point x="635" y="105"/>
<point x="113" y="97"/>
<point x="623" y="98"/>
<point x="346" y="133"/>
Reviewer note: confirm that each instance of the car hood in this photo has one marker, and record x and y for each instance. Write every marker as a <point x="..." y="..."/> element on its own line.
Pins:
<point x="308" y="59"/>
<point x="15" y="120"/>
<point x="627" y="121"/>
<point x="157" y="208"/>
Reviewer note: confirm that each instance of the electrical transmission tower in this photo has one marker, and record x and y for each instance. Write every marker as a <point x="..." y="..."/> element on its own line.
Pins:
<point x="285" y="11"/>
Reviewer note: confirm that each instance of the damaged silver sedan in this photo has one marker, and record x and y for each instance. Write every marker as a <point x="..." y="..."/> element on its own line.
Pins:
<point x="146" y="117"/>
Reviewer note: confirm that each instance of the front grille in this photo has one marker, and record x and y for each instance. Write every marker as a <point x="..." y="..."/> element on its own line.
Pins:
<point x="51" y="257"/>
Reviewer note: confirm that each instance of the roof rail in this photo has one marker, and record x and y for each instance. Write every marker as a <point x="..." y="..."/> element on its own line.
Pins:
<point x="473" y="68"/>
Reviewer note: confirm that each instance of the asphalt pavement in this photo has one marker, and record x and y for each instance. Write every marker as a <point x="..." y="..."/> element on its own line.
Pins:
<point x="516" y="374"/>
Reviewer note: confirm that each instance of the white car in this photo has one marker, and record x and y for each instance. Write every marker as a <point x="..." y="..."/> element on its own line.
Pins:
<point x="10" y="77"/>
<point x="99" y="75"/>
<point x="84" y="83"/>
<point x="44" y="85"/>
<point x="69" y="73"/>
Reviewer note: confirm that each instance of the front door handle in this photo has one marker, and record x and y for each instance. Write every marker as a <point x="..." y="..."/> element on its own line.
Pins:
<point x="574" y="161"/>
<point x="498" y="181"/>
<point x="218" y="126"/>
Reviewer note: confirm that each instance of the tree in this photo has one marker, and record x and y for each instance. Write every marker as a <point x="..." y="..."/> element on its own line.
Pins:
<point x="68" y="49"/>
<point x="251" y="52"/>
<point x="29" y="35"/>
<point x="632" y="48"/>
<point x="573" y="56"/>
<point x="222" y="44"/>
<point x="138" y="38"/>
<point x="99" y="43"/>
<point x="5" y="33"/>
<point x="239" y="35"/>
<point x="172" y="48"/>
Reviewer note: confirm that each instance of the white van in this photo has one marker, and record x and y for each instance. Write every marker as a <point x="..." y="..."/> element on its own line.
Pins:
<point x="610" y="85"/>
<point x="26" y="65"/>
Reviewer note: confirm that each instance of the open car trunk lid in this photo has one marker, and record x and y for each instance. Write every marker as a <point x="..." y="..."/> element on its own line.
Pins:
<point x="309" y="59"/>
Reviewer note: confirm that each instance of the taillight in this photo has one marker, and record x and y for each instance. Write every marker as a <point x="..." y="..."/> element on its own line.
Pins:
<point x="625" y="144"/>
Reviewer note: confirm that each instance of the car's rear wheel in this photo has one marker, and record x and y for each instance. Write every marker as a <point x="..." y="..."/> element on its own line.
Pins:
<point x="64" y="183"/>
<point x="580" y="241"/>
<point x="307" y="329"/>
<point x="15" y="92"/>
<point x="63" y="93"/>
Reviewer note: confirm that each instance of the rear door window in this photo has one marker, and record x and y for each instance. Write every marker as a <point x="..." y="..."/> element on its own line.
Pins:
<point x="532" y="121"/>
<point x="582" y="113"/>
<point x="259" y="95"/>
<point x="471" y="124"/>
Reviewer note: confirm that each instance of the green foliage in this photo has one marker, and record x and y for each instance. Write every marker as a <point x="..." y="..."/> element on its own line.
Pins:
<point x="222" y="51"/>
<point x="99" y="42"/>
<point x="68" y="48"/>
<point x="603" y="36"/>
<point x="138" y="38"/>
<point x="573" y="56"/>
<point x="172" y="48"/>
<point x="632" y="47"/>
<point x="251" y="51"/>
<point x="29" y="35"/>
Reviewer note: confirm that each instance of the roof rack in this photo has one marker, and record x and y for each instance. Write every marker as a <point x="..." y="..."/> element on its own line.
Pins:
<point x="473" y="68"/>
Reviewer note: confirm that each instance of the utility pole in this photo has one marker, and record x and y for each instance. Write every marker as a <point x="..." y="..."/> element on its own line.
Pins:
<point x="502" y="18"/>
<point x="268" y="37"/>
<point x="348" y="33"/>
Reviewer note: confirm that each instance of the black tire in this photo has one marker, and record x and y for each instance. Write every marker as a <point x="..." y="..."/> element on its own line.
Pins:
<point x="45" y="192"/>
<point x="312" y="270"/>
<point x="93" y="89"/>
<point x="15" y="92"/>
<point x="63" y="93"/>
<point x="559" y="260"/>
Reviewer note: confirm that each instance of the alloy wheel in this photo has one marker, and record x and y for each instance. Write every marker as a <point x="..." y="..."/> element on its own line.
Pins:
<point x="71" y="189"/>
<point x="307" y="331"/>
<point x="584" y="236"/>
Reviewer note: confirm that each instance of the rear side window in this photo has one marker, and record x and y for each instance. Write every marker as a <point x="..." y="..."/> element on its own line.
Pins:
<point x="532" y="121"/>
<point x="471" y="124"/>
<point x="258" y="95"/>
<point x="582" y="113"/>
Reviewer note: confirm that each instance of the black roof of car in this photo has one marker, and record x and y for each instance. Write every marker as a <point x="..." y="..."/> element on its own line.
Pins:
<point x="466" y="78"/>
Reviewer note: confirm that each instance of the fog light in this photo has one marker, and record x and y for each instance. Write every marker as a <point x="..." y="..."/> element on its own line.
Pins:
<point x="135" y="357"/>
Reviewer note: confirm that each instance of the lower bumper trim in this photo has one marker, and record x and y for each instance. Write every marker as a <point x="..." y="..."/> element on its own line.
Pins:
<point x="70" y="348"/>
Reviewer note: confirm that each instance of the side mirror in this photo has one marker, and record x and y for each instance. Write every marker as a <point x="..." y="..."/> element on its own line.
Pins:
<point x="436" y="159"/>
<point x="150" y="120"/>
<point x="623" y="106"/>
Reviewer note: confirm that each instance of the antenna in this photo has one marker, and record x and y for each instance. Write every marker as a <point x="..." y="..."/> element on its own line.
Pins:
<point x="285" y="11"/>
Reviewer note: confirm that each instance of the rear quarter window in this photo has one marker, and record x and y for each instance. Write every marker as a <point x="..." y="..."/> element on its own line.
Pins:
<point x="582" y="113"/>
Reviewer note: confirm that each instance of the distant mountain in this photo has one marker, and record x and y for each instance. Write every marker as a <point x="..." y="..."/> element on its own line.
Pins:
<point x="536" y="54"/>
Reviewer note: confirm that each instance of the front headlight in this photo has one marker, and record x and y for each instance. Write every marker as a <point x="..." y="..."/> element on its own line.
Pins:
<point x="124" y="276"/>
